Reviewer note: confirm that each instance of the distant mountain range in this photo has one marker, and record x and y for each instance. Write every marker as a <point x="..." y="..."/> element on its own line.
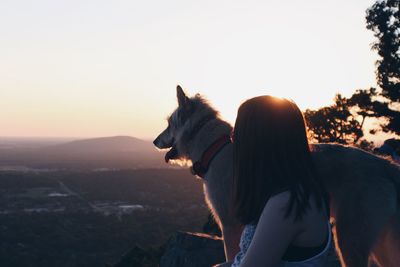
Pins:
<point x="119" y="152"/>
<point x="103" y="145"/>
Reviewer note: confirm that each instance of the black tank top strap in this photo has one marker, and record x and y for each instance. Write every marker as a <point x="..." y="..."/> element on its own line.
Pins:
<point x="296" y="253"/>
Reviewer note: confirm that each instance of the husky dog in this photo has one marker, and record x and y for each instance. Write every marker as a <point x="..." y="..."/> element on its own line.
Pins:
<point x="364" y="189"/>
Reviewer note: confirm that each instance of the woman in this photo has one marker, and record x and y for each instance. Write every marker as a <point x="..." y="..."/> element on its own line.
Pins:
<point x="278" y="195"/>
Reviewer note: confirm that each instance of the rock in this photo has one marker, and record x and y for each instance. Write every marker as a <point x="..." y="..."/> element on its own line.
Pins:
<point x="140" y="257"/>
<point x="186" y="249"/>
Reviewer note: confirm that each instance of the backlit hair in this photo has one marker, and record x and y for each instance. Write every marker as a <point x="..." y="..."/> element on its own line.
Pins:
<point x="272" y="155"/>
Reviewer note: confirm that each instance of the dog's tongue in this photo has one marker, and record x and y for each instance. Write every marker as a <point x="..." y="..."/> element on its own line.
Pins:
<point x="171" y="154"/>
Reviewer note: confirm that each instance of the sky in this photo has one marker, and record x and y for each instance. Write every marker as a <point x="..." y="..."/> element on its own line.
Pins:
<point x="93" y="68"/>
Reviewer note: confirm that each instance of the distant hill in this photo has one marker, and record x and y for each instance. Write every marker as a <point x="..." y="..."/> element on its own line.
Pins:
<point x="117" y="152"/>
<point x="31" y="142"/>
<point x="103" y="145"/>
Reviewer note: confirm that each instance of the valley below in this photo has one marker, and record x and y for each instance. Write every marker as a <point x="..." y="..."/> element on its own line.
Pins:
<point x="91" y="218"/>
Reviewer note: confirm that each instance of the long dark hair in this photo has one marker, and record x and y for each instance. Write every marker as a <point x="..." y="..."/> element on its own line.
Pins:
<point x="272" y="155"/>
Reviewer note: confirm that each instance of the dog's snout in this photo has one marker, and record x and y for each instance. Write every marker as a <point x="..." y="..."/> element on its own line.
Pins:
<point x="156" y="141"/>
<point x="161" y="144"/>
<point x="163" y="141"/>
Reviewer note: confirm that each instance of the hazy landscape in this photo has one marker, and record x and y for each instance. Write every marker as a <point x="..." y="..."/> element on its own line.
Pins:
<point x="99" y="69"/>
<point x="120" y="152"/>
<point x="85" y="203"/>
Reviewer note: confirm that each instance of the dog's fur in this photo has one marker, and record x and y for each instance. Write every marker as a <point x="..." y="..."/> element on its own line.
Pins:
<point x="364" y="189"/>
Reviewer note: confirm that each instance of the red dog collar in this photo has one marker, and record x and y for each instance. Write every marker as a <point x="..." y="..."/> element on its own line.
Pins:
<point x="200" y="168"/>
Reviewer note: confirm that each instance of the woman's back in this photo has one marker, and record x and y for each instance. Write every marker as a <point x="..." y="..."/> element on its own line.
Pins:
<point x="310" y="245"/>
<point x="277" y="186"/>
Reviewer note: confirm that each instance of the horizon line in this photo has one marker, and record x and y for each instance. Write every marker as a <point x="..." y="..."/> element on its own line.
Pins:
<point x="71" y="137"/>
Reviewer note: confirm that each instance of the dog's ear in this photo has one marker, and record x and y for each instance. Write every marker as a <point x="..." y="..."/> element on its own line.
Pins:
<point x="182" y="98"/>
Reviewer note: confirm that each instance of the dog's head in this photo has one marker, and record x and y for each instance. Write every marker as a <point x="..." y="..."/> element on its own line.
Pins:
<point x="169" y="137"/>
<point x="180" y="124"/>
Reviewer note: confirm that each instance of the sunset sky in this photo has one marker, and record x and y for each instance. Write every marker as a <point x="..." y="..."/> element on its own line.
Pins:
<point x="99" y="68"/>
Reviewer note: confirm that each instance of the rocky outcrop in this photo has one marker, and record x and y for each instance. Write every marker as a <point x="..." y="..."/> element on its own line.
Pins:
<point x="140" y="257"/>
<point x="186" y="249"/>
<point x="193" y="250"/>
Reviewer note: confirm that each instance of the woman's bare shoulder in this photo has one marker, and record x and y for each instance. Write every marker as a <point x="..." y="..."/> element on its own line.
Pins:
<point x="274" y="231"/>
<point x="279" y="202"/>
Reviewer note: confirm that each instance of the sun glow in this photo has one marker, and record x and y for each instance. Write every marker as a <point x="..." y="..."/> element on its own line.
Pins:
<point x="228" y="103"/>
<point x="100" y="68"/>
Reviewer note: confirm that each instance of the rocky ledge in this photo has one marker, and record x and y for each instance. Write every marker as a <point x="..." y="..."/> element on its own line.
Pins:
<point x="185" y="249"/>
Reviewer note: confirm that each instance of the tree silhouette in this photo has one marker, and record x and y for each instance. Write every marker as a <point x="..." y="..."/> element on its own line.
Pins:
<point x="383" y="18"/>
<point x="334" y="123"/>
<point x="363" y="104"/>
<point x="343" y="122"/>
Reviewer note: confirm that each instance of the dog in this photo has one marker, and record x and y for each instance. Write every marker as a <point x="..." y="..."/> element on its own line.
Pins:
<point x="364" y="189"/>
